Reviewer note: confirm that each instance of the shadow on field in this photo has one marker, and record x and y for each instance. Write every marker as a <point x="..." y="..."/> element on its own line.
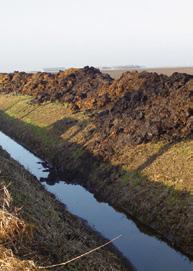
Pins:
<point x="162" y="150"/>
<point x="62" y="126"/>
<point x="163" y="208"/>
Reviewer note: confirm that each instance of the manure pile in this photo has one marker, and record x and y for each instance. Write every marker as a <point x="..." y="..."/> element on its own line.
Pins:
<point x="146" y="106"/>
<point x="70" y="86"/>
<point x="137" y="108"/>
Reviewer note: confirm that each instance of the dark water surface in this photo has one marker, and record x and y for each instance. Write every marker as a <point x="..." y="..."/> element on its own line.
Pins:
<point x="145" y="252"/>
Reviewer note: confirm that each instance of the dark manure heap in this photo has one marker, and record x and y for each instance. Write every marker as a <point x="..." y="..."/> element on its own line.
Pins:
<point x="137" y="108"/>
<point x="71" y="86"/>
<point x="145" y="106"/>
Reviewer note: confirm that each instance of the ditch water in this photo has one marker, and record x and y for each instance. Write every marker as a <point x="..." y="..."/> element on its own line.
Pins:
<point x="145" y="252"/>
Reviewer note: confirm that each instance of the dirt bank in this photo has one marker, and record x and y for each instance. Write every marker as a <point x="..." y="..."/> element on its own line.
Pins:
<point x="36" y="230"/>
<point x="151" y="181"/>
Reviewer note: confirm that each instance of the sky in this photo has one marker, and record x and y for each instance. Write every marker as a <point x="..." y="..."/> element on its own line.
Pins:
<point x="36" y="34"/>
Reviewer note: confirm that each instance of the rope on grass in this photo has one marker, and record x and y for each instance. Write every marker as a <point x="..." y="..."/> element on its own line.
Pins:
<point x="82" y="255"/>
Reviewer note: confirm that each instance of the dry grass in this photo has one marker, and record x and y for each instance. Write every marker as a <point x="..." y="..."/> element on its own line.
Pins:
<point x="14" y="232"/>
<point x="12" y="228"/>
<point x="9" y="262"/>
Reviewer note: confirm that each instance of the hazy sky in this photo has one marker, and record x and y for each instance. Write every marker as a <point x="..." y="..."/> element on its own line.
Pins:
<point x="51" y="33"/>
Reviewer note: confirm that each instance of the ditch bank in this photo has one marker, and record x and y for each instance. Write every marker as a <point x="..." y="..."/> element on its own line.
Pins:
<point x="43" y="232"/>
<point x="102" y="217"/>
<point x="137" y="180"/>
